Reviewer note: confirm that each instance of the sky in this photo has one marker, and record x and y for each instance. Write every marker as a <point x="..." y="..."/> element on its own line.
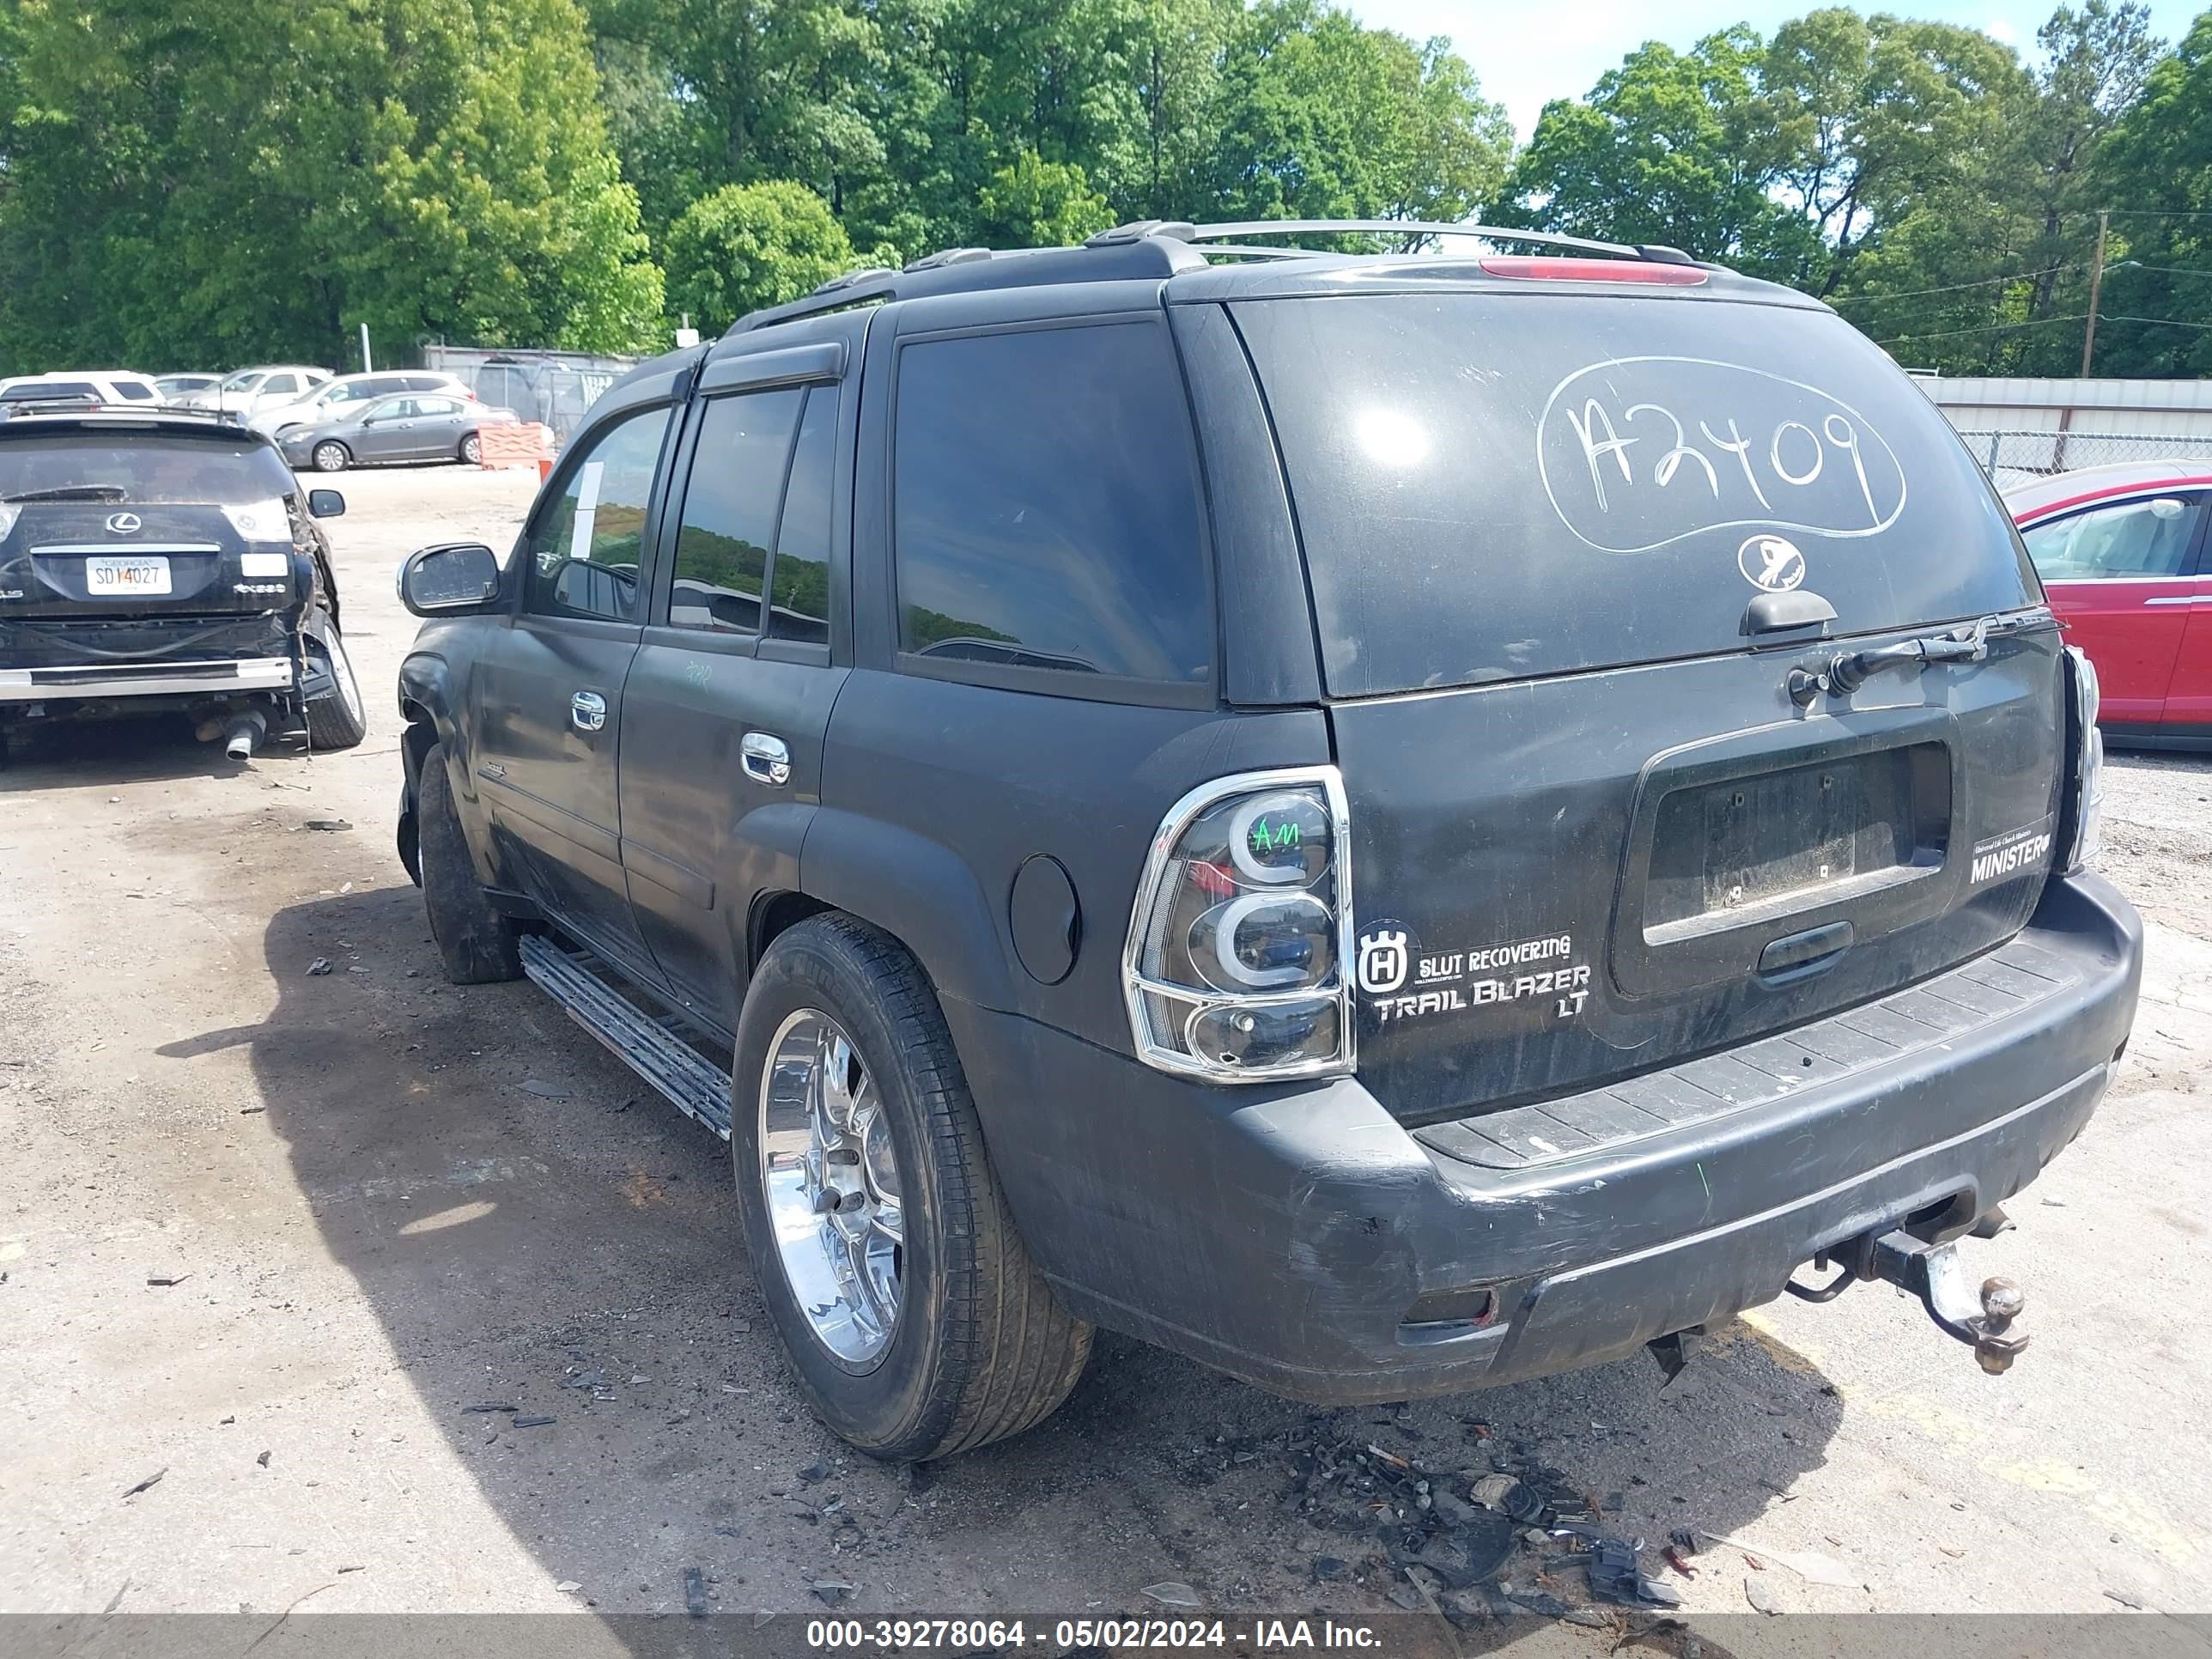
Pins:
<point x="1526" y="54"/>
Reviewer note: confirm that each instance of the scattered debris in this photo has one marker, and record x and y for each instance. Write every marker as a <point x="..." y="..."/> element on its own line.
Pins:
<point x="492" y="1406"/>
<point x="531" y="1085"/>
<point x="1588" y="1617"/>
<point x="1175" y="1594"/>
<point x="742" y="1327"/>
<point x="248" y="1111"/>
<point x="695" y="1592"/>
<point x="1616" y="1575"/>
<point x="1811" y="1566"/>
<point x="1513" y="1498"/>
<point x="1330" y="1568"/>
<point x="2124" y="1600"/>
<point x="358" y="1566"/>
<point x="567" y="1587"/>
<point x="153" y="1480"/>
<point x="832" y="1592"/>
<point x="816" y="1472"/>
<point x="263" y="1460"/>
<point x="1760" y="1593"/>
<point x="530" y="1422"/>
<point x="166" y="1278"/>
<point x="318" y="966"/>
<point x="1409" y="1597"/>
<point x="1684" y="1539"/>
<point x="1680" y="1562"/>
<point x="328" y="826"/>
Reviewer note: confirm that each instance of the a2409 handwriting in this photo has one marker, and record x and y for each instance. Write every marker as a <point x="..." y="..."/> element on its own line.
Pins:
<point x="1638" y="453"/>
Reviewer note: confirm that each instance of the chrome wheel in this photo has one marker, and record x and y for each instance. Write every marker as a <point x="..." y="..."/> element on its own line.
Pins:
<point x="831" y="1178"/>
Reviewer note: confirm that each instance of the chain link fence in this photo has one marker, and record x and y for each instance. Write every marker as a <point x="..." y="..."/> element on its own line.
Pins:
<point x="553" y="388"/>
<point x="2014" y="457"/>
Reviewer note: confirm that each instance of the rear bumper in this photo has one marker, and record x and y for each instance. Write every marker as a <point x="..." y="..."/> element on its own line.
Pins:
<point x="1284" y="1236"/>
<point x="228" y="677"/>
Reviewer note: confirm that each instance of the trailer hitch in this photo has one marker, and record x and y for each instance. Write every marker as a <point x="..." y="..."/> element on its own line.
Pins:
<point x="1935" y="1275"/>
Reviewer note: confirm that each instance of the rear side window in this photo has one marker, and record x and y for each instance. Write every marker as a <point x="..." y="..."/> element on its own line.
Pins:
<point x="729" y="511"/>
<point x="134" y="392"/>
<point x="800" y="609"/>
<point x="1045" y="506"/>
<point x="1494" y="486"/>
<point x="2143" y="539"/>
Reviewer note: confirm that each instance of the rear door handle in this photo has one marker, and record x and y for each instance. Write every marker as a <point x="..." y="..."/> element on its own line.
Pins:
<point x="766" y="760"/>
<point x="587" y="711"/>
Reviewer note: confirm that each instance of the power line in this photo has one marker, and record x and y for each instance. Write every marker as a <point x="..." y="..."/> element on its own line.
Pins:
<point x="1987" y="328"/>
<point x="2155" y="322"/>
<point x="1953" y="288"/>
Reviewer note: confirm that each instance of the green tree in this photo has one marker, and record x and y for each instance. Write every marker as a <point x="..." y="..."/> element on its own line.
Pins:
<point x="2159" y="164"/>
<point x="1038" y="204"/>
<point x="1319" y="117"/>
<point x="748" y="246"/>
<point x="1681" y="149"/>
<point x="216" y="184"/>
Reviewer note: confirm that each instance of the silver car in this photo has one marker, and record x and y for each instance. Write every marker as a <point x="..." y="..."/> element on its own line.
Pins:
<point x="414" y="427"/>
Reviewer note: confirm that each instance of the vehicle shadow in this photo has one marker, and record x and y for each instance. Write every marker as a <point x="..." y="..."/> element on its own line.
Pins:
<point x="135" y="749"/>
<point x="536" y="1231"/>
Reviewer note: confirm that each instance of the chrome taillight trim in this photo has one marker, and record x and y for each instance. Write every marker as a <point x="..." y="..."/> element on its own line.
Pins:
<point x="2085" y="764"/>
<point x="1136" y="985"/>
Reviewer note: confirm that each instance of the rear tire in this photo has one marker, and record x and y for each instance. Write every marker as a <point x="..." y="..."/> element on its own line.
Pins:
<point x="477" y="945"/>
<point x="339" y="720"/>
<point x="472" y="451"/>
<point x="332" y="456"/>
<point x="980" y="1348"/>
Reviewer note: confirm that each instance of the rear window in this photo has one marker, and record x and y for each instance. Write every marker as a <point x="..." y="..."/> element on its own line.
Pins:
<point x="134" y="391"/>
<point x="1494" y="487"/>
<point x="150" y="467"/>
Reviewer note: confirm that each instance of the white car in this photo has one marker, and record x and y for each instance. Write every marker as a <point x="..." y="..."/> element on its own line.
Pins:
<point x="334" y="398"/>
<point x="246" y="391"/>
<point x="107" y="385"/>
<point x="174" y="387"/>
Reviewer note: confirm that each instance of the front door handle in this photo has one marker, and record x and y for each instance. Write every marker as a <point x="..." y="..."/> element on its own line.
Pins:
<point x="766" y="760"/>
<point x="587" y="711"/>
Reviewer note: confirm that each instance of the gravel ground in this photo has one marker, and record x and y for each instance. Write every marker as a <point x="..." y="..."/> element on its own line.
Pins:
<point x="269" y="1236"/>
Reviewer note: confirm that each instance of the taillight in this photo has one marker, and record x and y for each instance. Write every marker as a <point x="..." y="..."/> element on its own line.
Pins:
<point x="1235" y="967"/>
<point x="2084" y="805"/>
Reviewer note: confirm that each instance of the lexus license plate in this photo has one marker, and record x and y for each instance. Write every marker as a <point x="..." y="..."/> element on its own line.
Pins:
<point x="142" y="576"/>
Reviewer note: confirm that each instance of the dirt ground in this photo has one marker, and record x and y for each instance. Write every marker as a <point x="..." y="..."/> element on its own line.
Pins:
<point x="384" y="1202"/>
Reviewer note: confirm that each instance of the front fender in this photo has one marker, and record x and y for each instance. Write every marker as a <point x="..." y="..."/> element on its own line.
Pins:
<point x="432" y="702"/>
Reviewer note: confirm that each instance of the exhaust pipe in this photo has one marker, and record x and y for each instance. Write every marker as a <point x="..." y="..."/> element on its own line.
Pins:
<point x="243" y="732"/>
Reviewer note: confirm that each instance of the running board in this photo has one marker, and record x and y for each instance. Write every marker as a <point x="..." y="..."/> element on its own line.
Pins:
<point x="698" y="1089"/>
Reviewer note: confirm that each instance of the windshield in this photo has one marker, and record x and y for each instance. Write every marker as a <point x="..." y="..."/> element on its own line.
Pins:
<point x="147" y="467"/>
<point x="243" y="379"/>
<point x="1493" y="486"/>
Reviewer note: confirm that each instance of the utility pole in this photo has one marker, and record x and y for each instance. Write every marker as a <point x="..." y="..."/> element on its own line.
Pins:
<point x="2096" y="283"/>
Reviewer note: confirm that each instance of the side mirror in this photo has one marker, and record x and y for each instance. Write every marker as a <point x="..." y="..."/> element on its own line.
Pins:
<point x="451" y="578"/>
<point x="325" y="504"/>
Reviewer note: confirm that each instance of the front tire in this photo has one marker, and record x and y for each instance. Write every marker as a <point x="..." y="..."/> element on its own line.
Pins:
<point x="478" y="945"/>
<point x="936" y="1333"/>
<point x="332" y="456"/>
<point x="339" y="720"/>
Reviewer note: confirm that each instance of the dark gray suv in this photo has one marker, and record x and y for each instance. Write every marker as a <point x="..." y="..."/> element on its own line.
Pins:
<point x="1391" y="823"/>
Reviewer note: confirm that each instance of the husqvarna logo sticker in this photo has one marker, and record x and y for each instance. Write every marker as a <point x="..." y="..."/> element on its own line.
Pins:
<point x="1385" y="955"/>
<point x="1770" y="562"/>
<point x="124" y="524"/>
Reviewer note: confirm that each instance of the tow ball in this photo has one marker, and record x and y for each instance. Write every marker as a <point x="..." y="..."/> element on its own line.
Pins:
<point x="1935" y="1275"/>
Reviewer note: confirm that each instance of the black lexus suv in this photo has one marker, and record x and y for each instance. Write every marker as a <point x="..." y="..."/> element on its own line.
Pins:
<point x="157" y="560"/>
<point x="1392" y="823"/>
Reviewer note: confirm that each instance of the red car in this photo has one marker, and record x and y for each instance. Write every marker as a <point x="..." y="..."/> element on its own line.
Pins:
<point x="2123" y="554"/>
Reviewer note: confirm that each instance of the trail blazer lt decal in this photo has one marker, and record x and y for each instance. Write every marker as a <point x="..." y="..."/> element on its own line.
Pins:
<point x="2011" y="853"/>
<point x="1455" y="982"/>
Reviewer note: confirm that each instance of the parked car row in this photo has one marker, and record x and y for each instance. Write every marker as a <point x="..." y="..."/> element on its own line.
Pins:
<point x="320" y="419"/>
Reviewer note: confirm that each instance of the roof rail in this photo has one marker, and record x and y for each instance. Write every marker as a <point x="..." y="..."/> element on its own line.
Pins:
<point x="1138" y="258"/>
<point x="1201" y="235"/>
